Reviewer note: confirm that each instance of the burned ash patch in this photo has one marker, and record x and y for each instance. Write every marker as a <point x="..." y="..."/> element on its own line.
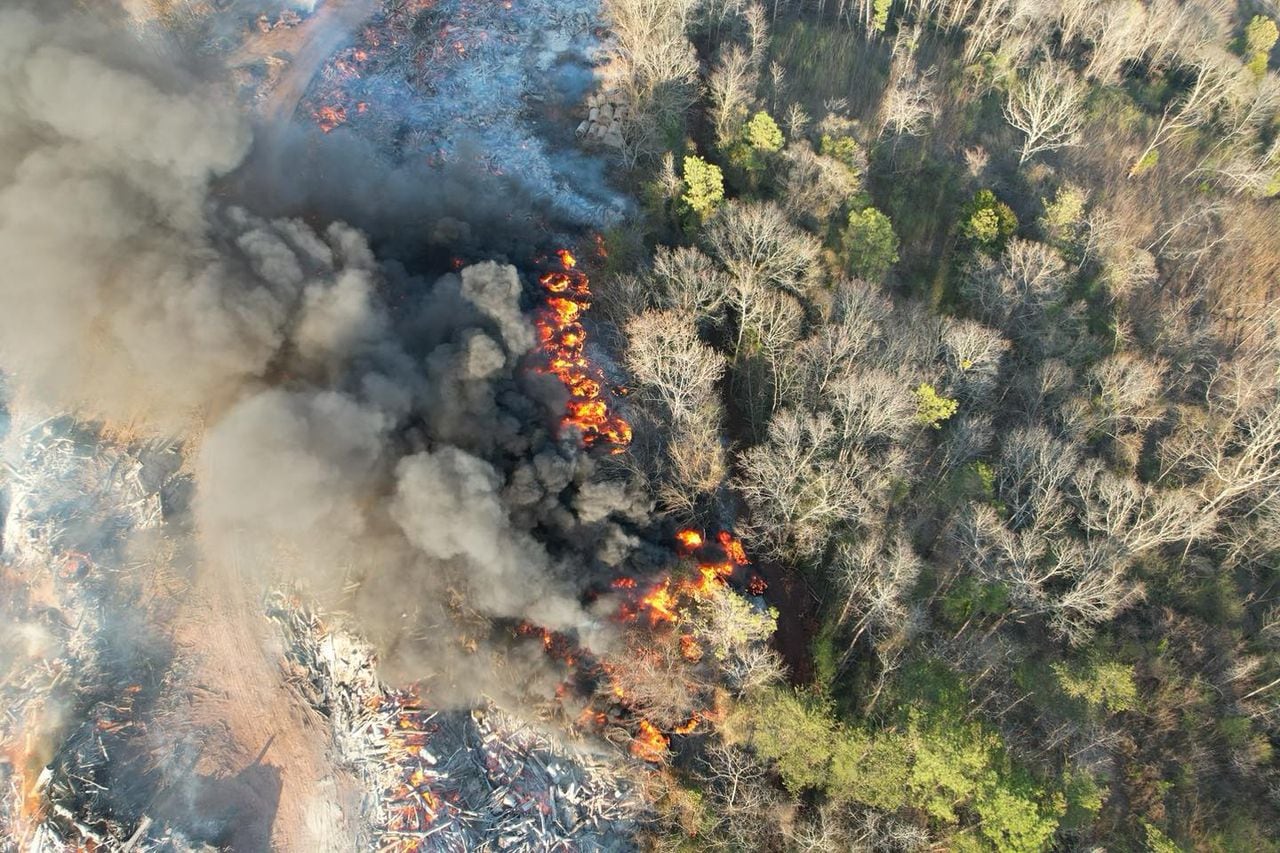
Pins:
<point x="482" y="82"/>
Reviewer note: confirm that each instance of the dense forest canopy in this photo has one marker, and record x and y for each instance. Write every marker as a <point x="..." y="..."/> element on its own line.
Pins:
<point x="965" y="312"/>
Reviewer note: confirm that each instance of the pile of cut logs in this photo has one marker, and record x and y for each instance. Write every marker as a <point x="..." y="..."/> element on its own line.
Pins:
<point x="606" y="119"/>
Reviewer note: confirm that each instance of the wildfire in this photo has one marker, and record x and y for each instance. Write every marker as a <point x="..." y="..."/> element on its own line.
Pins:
<point x="662" y="600"/>
<point x="716" y="563"/>
<point x="649" y="744"/>
<point x="563" y="341"/>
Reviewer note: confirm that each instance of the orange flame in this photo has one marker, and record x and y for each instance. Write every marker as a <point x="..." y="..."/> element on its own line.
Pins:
<point x="690" y="540"/>
<point x="687" y="727"/>
<point x="663" y="599"/>
<point x="564" y="342"/>
<point x="661" y="602"/>
<point x="733" y="548"/>
<point x="649" y="744"/>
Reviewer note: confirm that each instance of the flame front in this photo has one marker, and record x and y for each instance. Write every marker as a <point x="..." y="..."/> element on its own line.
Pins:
<point x="649" y="744"/>
<point x="564" y="341"/>
<point x="662" y="599"/>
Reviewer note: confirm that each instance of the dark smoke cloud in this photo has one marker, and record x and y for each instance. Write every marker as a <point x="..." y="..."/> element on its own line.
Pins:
<point x="148" y="280"/>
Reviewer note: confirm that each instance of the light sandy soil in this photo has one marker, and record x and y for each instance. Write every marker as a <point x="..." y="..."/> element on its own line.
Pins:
<point x="265" y="762"/>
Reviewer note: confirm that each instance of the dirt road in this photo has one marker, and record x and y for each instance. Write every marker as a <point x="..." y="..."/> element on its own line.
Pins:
<point x="310" y="45"/>
<point x="265" y="772"/>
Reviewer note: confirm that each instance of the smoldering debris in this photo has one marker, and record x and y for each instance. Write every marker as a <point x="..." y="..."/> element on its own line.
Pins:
<point x="85" y="661"/>
<point x="441" y="150"/>
<point x="452" y="780"/>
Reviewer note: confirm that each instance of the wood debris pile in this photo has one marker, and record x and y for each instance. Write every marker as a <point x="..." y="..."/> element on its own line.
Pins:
<point x="452" y="780"/>
<point x="79" y="675"/>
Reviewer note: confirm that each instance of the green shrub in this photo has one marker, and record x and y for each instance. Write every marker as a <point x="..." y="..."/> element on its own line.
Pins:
<point x="969" y="599"/>
<point x="1103" y="686"/>
<point x="988" y="221"/>
<point x="869" y="244"/>
<point x="704" y="185"/>
<point x="842" y="148"/>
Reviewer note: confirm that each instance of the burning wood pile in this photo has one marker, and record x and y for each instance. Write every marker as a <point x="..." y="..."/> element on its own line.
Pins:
<point x="606" y="119"/>
<point x="451" y="780"/>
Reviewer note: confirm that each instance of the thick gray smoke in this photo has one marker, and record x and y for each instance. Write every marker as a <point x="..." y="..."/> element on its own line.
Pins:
<point x="400" y="463"/>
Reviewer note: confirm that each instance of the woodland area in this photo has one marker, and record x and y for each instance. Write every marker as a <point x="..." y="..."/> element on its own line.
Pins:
<point x="963" y="313"/>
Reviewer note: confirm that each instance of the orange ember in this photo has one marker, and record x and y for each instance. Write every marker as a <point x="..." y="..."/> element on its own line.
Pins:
<point x="592" y="718"/>
<point x="564" y="342"/>
<point x="330" y="117"/>
<point x="649" y="744"/>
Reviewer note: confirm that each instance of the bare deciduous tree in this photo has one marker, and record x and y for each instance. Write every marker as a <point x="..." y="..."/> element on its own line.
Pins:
<point x="694" y="467"/>
<point x="815" y="187"/>
<point x="996" y="554"/>
<point x="736" y="635"/>
<point x="796" y="494"/>
<point x="671" y="364"/>
<point x="731" y="87"/>
<point x="758" y="246"/>
<point x="1046" y="108"/>
<point x="1034" y="469"/>
<point x="655" y="69"/>
<point x="973" y="353"/>
<point x="1136" y="515"/>
<point x="857" y="313"/>
<point x="875" y="577"/>
<point x="688" y="281"/>
<point x="908" y="103"/>
<point x="1235" y="455"/>
<point x="1098" y="593"/>
<point x="657" y="680"/>
<point x="1212" y="82"/>
<point x="1118" y="32"/>
<point x="1126" y="385"/>
<point x="1011" y="293"/>
<point x="871" y="406"/>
